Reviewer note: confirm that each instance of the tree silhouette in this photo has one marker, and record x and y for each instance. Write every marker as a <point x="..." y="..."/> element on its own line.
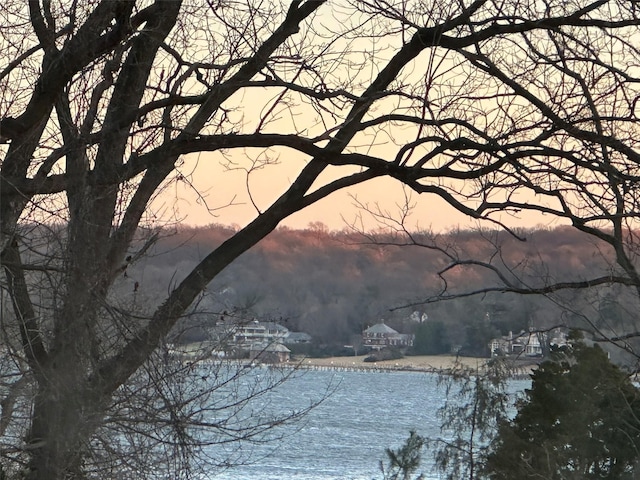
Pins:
<point x="579" y="419"/>
<point x="480" y="104"/>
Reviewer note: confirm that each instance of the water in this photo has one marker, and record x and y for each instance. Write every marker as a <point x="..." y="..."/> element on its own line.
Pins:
<point x="345" y="437"/>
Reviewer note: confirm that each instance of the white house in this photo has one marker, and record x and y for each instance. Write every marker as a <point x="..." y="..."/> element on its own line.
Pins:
<point x="524" y="343"/>
<point x="262" y="333"/>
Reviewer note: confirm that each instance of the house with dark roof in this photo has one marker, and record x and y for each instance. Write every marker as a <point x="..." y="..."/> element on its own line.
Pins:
<point x="380" y="336"/>
<point x="271" y="353"/>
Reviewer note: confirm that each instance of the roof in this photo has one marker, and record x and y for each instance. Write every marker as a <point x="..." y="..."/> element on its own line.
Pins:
<point x="272" y="347"/>
<point x="298" y="336"/>
<point x="380" y="328"/>
<point x="274" y="326"/>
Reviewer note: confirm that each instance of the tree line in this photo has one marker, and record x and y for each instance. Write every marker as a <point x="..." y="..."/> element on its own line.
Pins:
<point x="334" y="284"/>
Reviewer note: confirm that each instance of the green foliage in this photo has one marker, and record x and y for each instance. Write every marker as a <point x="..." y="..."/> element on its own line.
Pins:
<point x="430" y="338"/>
<point x="478" y="335"/>
<point x="579" y="420"/>
<point x="476" y="404"/>
<point x="403" y="462"/>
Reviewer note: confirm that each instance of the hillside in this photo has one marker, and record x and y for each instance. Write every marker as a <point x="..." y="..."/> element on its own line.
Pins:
<point x="334" y="284"/>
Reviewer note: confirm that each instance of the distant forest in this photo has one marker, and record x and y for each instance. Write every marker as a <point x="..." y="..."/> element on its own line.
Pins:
<point x="333" y="285"/>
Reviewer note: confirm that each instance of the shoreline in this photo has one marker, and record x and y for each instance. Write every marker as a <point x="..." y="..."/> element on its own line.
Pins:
<point x="419" y="363"/>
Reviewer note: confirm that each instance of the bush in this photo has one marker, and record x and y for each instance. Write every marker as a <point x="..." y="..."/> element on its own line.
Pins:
<point x="384" y="354"/>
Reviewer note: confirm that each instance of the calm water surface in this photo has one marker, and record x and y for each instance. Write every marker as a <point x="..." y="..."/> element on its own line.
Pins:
<point x="346" y="435"/>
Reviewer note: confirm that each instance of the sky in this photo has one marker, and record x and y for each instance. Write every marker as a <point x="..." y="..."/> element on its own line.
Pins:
<point x="222" y="198"/>
<point x="213" y="193"/>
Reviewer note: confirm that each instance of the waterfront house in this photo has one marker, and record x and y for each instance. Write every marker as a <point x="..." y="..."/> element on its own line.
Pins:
<point x="524" y="343"/>
<point x="271" y="353"/>
<point x="255" y="332"/>
<point x="380" y="336"/>
<point x="255" y="336"/>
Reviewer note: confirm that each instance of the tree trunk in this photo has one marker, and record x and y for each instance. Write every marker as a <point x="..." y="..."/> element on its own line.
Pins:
<point x="65" y="415"/>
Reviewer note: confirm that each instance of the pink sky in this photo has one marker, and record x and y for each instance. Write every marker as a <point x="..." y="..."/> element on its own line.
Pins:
<point x="219" y="187"/>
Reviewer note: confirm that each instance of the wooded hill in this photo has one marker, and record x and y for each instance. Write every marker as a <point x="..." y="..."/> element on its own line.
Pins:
<point x="332" y="285"/>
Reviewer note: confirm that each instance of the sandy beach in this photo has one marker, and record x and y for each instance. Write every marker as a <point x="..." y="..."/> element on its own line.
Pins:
<point x="420" y="363"/>
<point x="423" y="363"/>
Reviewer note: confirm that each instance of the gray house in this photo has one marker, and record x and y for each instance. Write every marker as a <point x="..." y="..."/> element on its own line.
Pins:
<point x="271" y="353"/>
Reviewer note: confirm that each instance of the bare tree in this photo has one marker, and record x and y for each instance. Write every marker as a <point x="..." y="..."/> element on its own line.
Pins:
<point x="495" y="107"/>
<point x="553" y="129"/>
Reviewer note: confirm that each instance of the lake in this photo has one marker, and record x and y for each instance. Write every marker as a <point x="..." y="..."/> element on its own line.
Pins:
<point x="345" y="437"/>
